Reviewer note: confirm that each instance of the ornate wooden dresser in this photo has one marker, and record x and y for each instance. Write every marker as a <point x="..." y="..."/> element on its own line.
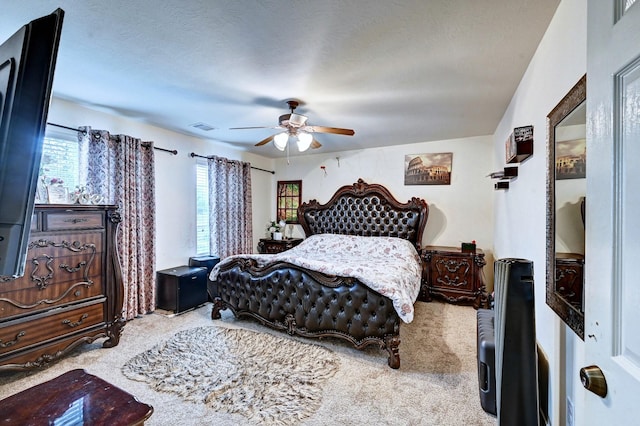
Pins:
<point x="453" y="275"/>
<point x="71" y="292"/>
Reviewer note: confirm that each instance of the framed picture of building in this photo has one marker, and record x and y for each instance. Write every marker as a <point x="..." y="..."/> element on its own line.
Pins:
<point x="571" y="159"/>
<point x="428" y="169"/>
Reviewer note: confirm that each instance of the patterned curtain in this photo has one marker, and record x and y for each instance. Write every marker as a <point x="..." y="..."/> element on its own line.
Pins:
<point x="121" y="169"/>
<point x="230" y="207"/>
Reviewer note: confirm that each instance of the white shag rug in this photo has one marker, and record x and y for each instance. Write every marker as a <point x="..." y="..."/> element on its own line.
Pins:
<point x="265" y="378"/>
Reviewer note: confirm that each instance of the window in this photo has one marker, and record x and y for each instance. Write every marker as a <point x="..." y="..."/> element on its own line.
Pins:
<point x="288" y="199"/>
<point x="202" y="208"/>
<point x="61" y="161"/>
<point x="59" y="165"/>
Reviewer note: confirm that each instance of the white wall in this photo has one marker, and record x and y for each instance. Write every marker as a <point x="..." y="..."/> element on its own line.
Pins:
<point x="175" y="177"/>
<point x="457" y="212"/>
<point x="461" y="211"/>
<point x="520" y="215"/>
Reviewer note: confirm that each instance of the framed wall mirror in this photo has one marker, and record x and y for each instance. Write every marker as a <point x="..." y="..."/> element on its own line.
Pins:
<point x="566" y="199"/>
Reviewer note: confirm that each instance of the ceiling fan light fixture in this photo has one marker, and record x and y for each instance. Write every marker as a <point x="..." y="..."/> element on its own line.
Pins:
<point x="297" y="120"/>
<point x="280" y="140"/>
<point x="304" y="141"/>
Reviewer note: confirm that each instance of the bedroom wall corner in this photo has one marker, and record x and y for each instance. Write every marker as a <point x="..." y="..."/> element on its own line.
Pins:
<point x="175" y="177"/>
<point x="520" y="212"/>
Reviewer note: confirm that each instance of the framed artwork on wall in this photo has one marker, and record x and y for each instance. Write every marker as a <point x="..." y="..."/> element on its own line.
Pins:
<point x="428" y="169"/>
<point x="571" y="159"/>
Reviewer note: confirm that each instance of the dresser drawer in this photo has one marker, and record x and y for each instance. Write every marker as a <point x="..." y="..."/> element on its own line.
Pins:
<point x="76" y="220"/>
<point x="44" y="269"/>
<point x="31" y="299"/>
<point x="19" y="333"/>
<point x="570" y="278"/>
<point x="35" y="223"/>
<point x="453" y="273"/>
<point x="79" y="243"/>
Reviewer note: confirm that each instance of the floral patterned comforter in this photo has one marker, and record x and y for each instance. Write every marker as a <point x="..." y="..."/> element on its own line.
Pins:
<point x="388" y="265"/>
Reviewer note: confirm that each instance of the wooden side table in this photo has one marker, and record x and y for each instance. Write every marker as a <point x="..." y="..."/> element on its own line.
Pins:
<point x="453" y="275"/>
<point x="76" y="397"/>
<point x="570" y="278"/>
<point x="269" y="246"/>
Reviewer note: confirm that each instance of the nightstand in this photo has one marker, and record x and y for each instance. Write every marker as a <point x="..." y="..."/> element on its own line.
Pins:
<point x="269" y="246"/>
<point x="570" y="278"/>
<point x="453" y="275"/>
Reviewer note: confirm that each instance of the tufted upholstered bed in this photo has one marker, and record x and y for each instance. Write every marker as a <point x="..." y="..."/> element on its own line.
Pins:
<point x="309" y="303"/>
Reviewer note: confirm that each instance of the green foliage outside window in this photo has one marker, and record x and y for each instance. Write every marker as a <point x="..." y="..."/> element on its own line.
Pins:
<point x="289" y="197"/>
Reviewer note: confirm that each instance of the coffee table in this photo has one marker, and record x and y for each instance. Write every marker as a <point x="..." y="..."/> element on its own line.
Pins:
<point x="74" y="398"/>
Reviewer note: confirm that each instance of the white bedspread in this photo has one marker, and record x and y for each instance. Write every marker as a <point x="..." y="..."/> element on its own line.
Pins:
<point x="388" y="265"/>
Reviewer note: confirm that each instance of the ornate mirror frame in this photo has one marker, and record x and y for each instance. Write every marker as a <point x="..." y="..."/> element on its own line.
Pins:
<point x="569" y="313"/>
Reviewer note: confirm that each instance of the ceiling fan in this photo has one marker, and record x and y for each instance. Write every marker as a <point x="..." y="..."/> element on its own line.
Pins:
<point x="295" y="126"/>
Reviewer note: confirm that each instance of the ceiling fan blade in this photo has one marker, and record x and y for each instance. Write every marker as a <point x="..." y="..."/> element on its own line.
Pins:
<point x="265" y="141"/>
<point x="245" y="128"/>
<point x="324" y="129"/>
<point x="315" y="144"/>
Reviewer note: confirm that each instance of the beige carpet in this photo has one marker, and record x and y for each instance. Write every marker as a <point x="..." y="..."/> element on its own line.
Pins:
<point x="435" y="385"/>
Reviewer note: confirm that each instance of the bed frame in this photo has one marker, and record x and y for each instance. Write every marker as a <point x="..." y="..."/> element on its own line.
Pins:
<point x="311" y="304"/>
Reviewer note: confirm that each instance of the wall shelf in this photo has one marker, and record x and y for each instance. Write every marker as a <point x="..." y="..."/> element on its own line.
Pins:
<point x="502" y="184"/>
<point x="519" y="145"/>
<point x="506" y="175"/>
<point x="509" y="172"/>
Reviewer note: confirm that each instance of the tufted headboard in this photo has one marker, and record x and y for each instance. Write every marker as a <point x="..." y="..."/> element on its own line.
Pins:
<point x="367" y="210"/>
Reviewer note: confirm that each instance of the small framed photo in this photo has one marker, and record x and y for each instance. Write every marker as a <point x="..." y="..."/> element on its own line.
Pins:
<point x="519" y="145"/>
<point x="41" y="193"/>
<point x="57" y="194"/>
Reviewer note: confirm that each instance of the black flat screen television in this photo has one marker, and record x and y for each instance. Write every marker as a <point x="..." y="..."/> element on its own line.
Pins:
<point x="27" y="63"/>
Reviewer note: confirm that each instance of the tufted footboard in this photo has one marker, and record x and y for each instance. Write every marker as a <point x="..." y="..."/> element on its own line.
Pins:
<point x="308" y="303"/>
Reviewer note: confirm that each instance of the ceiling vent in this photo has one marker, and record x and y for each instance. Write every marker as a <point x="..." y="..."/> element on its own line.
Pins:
<point x="202" y="126"/>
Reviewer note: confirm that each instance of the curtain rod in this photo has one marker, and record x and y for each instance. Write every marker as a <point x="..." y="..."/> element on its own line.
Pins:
<point x="193" y="154"/>
<point x="171" y="151"/>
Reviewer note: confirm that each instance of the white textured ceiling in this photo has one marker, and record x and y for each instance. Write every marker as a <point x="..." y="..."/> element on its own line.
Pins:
<point x="395" y="71"/>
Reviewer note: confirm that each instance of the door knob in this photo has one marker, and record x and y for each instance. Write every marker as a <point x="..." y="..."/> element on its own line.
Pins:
<point x="593" y="379"/>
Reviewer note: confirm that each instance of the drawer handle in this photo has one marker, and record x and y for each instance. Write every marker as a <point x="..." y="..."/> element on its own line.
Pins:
<point x="76" y="220"/>
<point x="454" y="265"/>
<point x="70" y="269"/>
<point x="42" y="281"/>
<point x="12" y="342"/>
<point x="75" y="324"/>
